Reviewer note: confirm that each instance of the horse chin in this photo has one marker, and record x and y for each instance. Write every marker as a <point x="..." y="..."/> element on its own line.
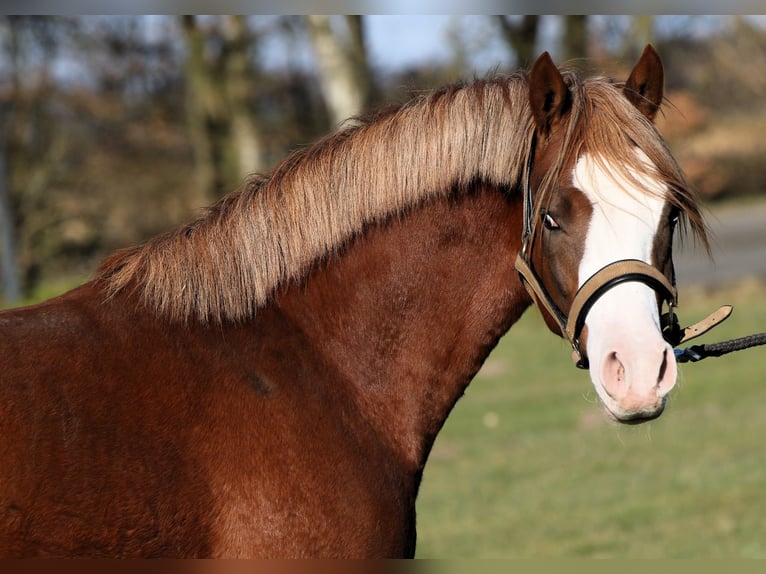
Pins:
<point x="635" y="418"/>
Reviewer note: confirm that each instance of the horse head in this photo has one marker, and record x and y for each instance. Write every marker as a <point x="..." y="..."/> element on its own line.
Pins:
<point x="602" y="198"/>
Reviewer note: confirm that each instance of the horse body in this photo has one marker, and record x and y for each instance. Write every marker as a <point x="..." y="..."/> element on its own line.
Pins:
<point x="268" y="379"/>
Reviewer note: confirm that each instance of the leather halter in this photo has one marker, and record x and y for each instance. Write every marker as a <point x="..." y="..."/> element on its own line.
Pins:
<point x="616" y="273"/>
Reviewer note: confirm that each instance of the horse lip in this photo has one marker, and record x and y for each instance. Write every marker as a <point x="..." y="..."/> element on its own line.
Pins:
<point x="635" y="418"/>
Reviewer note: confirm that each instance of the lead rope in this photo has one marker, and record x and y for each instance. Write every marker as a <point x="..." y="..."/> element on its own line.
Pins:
<point x="675" y="336"/>
<point x="698" y="352"/>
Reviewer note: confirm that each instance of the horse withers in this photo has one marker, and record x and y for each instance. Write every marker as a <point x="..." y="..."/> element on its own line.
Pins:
<point x="268" y="379"/>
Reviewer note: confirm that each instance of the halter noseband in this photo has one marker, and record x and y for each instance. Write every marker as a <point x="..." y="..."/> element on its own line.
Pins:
<point x="616" y="273"/>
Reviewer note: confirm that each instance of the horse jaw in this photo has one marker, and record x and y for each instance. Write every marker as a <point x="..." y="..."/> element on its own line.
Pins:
<point x="631" y="366"/>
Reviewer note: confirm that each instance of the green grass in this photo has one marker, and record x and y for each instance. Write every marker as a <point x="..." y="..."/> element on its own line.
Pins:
<point x="45" y="291"/>
<point x="528" y="465"/>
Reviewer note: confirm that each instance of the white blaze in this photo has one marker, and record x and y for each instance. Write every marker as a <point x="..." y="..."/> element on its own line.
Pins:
<point x="629" y="364"/>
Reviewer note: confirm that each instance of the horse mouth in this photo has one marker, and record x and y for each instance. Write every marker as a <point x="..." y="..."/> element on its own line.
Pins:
<point x="635" y="418"/>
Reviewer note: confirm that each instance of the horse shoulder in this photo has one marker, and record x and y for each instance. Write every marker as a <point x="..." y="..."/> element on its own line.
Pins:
<point x="92" y="462"/>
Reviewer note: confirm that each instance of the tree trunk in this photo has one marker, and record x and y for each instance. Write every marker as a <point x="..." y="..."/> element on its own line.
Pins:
<point x="521" y="37"/>
<point x="245" y="144"/>
<point x="358" y="56"/>
<point x="575" y="37"/>
<point x="344" y="75"/>
<point x="642" y="33"/>
<point x="11" y="291"/>
<point x="204" y="111"/>
<point x="224" y="134"/>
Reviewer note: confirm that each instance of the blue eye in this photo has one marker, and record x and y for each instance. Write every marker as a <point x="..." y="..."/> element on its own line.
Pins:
<point x="550" y="223"/>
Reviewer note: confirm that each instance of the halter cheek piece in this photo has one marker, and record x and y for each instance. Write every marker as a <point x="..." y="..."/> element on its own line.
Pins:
<point x="625" y="270"/>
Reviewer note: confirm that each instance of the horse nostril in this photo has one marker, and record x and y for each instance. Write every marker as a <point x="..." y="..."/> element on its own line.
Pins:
<point x="613" y="375"/>
<point x="663" y="367"/>
<point x="666" y="377"/>
<point x="620" y="370"/>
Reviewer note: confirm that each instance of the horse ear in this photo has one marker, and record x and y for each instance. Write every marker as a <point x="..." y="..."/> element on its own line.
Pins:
<point x="645" y="83"/>
<point x="549" y="96"/>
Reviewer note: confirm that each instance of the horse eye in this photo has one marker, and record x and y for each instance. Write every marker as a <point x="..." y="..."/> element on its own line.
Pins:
<point x="550" y="223"/>
<point x="673" y="221"/>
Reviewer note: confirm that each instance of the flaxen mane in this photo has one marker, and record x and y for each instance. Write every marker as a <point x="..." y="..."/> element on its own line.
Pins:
<point x="226" y="264"/>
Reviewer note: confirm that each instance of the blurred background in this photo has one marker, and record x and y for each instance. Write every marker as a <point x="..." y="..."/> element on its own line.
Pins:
<point x="113" y="129"/>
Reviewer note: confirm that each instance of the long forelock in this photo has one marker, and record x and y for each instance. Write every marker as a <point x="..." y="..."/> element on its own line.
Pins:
<point x="605" y="125"/>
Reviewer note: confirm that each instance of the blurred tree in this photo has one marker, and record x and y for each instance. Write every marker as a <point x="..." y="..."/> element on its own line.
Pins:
<point x="246" y="146"/>
<point x="639" y="33"/>
<point x="575" y="41"/>
<point x="98" y="146"/>
<point x="11" y="291"/>
<point x="521" y="36"/>
<point x="344" y="73"/>
<point x="87" y="105"/>
<point x="219" y="80"/>
<point x="31" y="147"/>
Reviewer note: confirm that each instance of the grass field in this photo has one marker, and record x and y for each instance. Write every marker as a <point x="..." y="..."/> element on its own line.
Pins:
<point x="529" y="466"/>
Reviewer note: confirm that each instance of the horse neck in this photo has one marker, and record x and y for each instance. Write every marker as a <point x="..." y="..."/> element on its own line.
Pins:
<point x="411" y="309"/>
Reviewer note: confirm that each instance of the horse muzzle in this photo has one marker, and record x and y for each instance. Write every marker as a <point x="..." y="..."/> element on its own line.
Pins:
<point x="633" y="381"/>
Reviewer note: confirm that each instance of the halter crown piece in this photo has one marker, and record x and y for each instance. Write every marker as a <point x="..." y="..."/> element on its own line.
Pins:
<point x="616" y="273"/>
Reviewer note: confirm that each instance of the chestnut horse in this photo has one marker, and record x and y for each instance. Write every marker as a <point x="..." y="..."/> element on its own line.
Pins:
<point x="268" y="380"/>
